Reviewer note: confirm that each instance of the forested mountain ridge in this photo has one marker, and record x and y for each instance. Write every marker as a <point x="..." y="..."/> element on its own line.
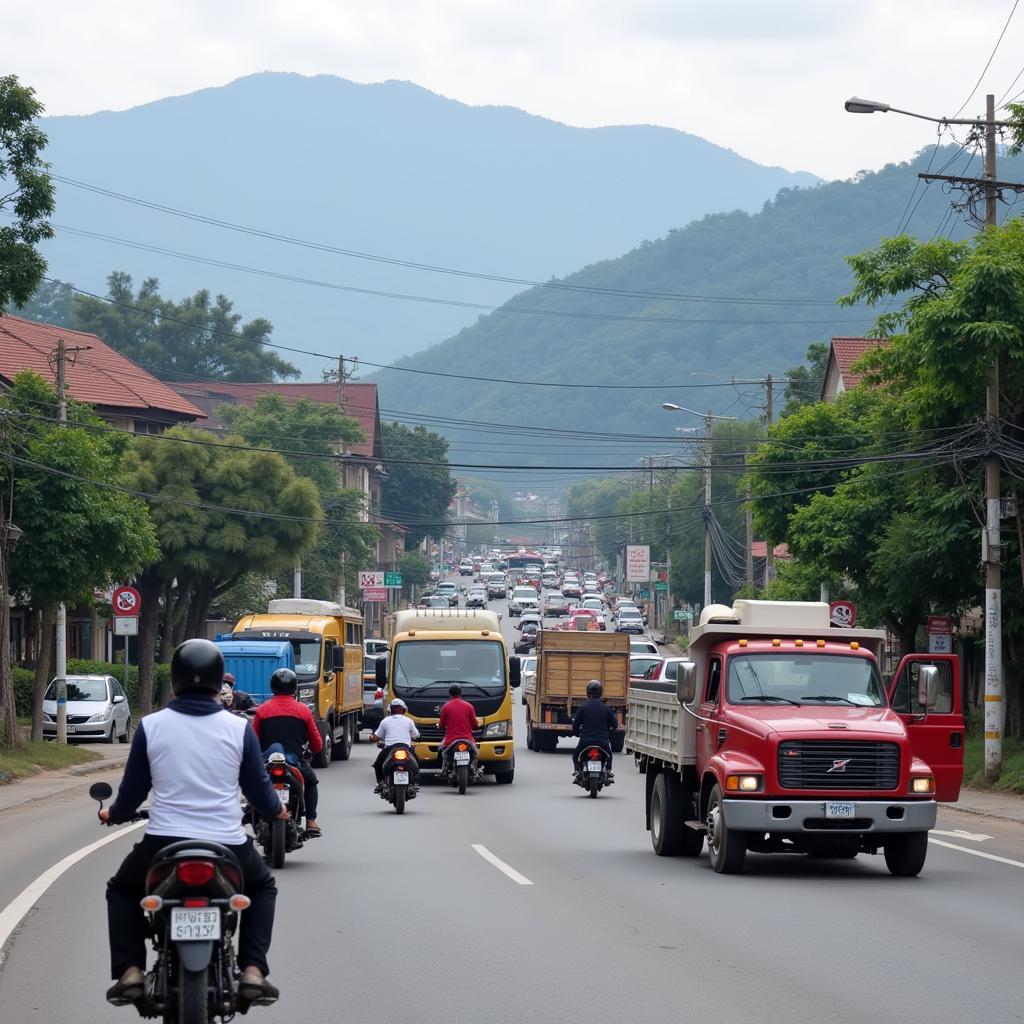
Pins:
<point x="791" y="254"/>
<point x="389" y="169"/>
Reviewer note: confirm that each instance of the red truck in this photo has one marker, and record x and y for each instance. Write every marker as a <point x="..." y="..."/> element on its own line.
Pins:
<point x="780" y="735"/>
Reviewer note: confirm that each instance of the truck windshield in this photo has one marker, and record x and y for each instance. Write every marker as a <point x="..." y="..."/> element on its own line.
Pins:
<point x="804" y="679"/>
<point x="307" y="659"/>
<point x="429" y="667"/>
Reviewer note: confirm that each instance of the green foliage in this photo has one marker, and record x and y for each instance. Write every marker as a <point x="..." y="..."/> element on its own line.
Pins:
<point x="417" y="496"/>
<point x="26" y="193"/>
<point x="593" y="498"/>
<point x="199" y="336"/>
<point x="51" y="304"/>
<point x="39" y="756"/>
<point x="24" y="683"/>
<point x="415" y="567"/>
<point x="1012" y="777"/>
<point x="804" y="382"/>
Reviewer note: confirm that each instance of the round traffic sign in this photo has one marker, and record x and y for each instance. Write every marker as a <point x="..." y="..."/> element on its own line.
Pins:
<point x="126" y="601"/>
<point x="843" y="614"/>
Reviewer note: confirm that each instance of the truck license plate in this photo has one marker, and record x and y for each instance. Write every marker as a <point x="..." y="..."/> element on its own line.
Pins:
<point x="462" y="757"/>
<point x="840" y="809"/>
<point x="594" y="766"/>
<point x="191" y="925"/>
<point x="401" y="778"/>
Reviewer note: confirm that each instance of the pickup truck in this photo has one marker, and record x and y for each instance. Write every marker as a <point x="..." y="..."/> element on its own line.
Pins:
<point x="781" y="736"/>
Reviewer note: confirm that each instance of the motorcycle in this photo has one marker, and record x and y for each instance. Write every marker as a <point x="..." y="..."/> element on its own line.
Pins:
<point x="400" y="780"/>
<point x="593" y="773"/>
<point x="275" y="836"/>
<point x="460" y="766"/>
<point x="192" y="903"/>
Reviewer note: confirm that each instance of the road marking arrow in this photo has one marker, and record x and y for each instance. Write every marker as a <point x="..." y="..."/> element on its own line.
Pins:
<point x="959" y="833"/>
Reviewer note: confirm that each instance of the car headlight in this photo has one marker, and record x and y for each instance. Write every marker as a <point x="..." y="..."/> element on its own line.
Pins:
<point x="103" y="716"/>
<point x="744" y="783"/>
<point x="922" y="785"/>
<point x="307" y="694"/>
<point x="498" y="730"/>
<point x="47" y="717"/>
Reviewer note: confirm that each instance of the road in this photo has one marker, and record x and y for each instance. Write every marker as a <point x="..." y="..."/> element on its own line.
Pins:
<point x="401" y="918"/>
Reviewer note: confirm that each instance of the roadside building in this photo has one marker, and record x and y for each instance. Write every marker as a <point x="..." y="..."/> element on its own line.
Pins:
<point x="843" y="354"/>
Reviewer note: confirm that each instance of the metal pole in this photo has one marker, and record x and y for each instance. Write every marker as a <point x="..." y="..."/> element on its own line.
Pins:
<point x="62" y="615"/>
<point x="769" y="548"/>
<point x="297" y="579"/>
<point x="707" y="509"/>
<point x="749" y="520"/>
<point x="991" y="549"/>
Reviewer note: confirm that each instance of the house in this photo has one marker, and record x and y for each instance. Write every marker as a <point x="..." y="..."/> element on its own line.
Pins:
<point x="122" y="394"/>
<point x="843" y="353"/>
<point x="759" y="554"/>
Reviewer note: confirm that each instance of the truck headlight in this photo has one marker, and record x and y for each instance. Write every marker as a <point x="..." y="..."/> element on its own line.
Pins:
<point x="307" y="694"/>
<point x="498" y="730"/>
<point x="922" y="785"/>
<point x="744" y="783"/>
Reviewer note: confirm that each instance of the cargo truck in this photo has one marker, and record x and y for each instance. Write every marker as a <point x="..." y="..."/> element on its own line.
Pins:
<point x="781" y="736"/>
<point x="566" y="661"/>
<point x="327" y="654"/>
<point x="431" y="648"/>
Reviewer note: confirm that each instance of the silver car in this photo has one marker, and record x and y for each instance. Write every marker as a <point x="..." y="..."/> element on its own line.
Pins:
<point x="97" y="709"/>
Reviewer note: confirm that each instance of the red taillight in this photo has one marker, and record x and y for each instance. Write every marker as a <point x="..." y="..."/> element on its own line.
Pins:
<point x="195" y="872"/>
<point x="195" y="901"/>
<point x="595" y="754"/>
<point x="462" y="747"/>
<point x="379" y="695"/>
<point x="277" y="771"/>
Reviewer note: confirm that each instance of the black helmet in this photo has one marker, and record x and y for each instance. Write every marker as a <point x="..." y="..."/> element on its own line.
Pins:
<point x="197" y="666"/>
<point x="284" y="681"/>
<point x="594" y="688"/>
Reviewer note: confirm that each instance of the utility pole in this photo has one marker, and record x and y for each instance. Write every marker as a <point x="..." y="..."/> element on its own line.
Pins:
<point x="707" y="507"/>
<point x="748" y="517"/>
<point x="769" y="413"/>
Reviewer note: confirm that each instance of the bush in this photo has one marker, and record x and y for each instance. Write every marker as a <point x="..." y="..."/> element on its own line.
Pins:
<point x="24" y="680"/>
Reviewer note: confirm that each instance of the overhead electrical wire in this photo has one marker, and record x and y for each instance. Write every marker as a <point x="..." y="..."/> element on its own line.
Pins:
<point x="988" y="63"/>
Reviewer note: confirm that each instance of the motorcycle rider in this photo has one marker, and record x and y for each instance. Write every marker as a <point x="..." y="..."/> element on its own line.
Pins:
<point x="394" y="730"/>
<point x="240" y="700"/>
<point x="458" y="720"/>
<point x="289" y="722"/>
<point x="194" y="757"/>
<point x="595" y="723"/>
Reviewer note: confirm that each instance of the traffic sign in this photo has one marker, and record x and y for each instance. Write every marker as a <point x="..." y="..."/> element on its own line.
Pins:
<point x="661" y="586"/>
<point x="127" y="601"/>
<point x="843" y="613"/>
<point x="939" y="631"/>
<point x="126" y="625"/>
<point x="375" y="594"/>
<point x="392" y="579"/>
<point x="679" y="615"/>
<point x="371" y="579"/>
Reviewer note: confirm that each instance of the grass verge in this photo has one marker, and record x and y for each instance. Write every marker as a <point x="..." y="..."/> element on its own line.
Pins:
<point x="1012" y="777"/>
<point x="33" y="757"/>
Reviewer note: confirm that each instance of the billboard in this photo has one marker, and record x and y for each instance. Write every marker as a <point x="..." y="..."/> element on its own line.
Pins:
<point x="638" y="563"/>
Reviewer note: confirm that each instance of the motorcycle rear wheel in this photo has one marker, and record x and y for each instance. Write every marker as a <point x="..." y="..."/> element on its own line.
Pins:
<point x="399" y="799"/>
<point x="278" y="842"/>
<point x="462" y="775"/>
<point x="193" y="999"/>
<point x="595" y="785"/>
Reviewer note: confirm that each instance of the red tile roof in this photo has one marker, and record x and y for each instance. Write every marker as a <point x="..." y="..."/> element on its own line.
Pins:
<point x="759" y="549"/>
<point x="102" y="376"/>
<point x="847" y="351"/>
<point x="360" y="403"/>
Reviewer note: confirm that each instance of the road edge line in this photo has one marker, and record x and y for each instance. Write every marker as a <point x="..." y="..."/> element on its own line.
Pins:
<point x="15" y="912"/>
<point x="504" y="868"/>
<point x="978" y="853"/>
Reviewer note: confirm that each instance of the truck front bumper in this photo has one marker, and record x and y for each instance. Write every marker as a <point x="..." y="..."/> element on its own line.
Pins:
<point x="808" y="816"/>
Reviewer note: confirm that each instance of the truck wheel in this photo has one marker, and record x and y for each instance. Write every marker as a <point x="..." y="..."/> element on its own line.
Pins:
<point x="504" y="778"/>
<point x="531" y="743"/>
<point x="727" y="848"/>
<point x="619" y="741"/>
<point x="905" y="854"/>
<point x="343" y="749"/>
<point x="324" y="758"/>
<point x="666" y="819"/>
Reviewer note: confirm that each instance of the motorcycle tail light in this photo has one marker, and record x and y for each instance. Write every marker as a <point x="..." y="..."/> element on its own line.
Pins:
<point x="239" y="902"/>
<point x="379" y="695"/>
<point x="195" y="901"/>
<point x="195" y="872"/>
<point x="277" y="771"/>
<point x="594" y="755"/>
<point x="151" y="903"/>
<point x="462" y="748"/>
<point x="401" y="755"/>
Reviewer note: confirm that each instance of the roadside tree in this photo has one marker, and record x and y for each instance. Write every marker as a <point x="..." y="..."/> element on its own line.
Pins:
<point x="417" y="493"/>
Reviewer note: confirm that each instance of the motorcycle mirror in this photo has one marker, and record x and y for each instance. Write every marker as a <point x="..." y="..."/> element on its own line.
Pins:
<point x="101" y="791"/>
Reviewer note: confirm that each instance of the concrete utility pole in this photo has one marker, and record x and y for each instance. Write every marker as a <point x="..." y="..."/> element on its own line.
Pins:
<point x="708" y="443"/>
<point x="769" y="415"/>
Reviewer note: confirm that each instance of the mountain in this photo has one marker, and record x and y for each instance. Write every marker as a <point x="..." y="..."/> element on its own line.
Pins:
<point x="790" y="254"/>
<point x="388" y="169"/>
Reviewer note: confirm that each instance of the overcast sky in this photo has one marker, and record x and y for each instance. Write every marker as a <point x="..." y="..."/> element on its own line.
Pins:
<point x="766" y="78"/>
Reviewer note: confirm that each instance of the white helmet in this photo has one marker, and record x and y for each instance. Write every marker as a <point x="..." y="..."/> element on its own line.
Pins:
<point x="397" y="704"/>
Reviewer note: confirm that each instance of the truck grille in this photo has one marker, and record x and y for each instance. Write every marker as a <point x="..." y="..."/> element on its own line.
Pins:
<point x="826" y="764"/>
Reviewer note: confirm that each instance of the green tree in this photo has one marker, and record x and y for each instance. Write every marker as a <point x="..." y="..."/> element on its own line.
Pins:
<point x="804" y="382"/>
<point x="26" y="193"/>
<point x="199" y="336"/>
<point x="417" y="493"/>
<point x="415" y="567"/>
<point x="51" y="304"/>
<point x="79" y="535"/>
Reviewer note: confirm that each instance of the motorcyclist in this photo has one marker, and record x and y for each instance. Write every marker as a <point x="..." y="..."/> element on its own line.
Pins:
<point x="194" y="757"/>
<point x="288" y="722"/>
<point x="240" y="700"/>
<point x="595" y="723"/>
<point x="458" y="720"/>
<point x="394" y="730"/>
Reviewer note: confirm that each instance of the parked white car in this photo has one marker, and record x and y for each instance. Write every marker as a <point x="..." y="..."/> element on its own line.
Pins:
<point x="97" y="708"/>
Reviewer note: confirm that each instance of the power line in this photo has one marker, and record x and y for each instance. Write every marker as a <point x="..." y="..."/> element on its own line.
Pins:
<point x="988" y="63"/>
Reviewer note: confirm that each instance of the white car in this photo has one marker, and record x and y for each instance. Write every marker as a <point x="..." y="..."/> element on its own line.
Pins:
<point x="594" y="604"/>
<point x="524" y="599"/>
<point x="643" y="647"/>
<point x="96" y="709"/>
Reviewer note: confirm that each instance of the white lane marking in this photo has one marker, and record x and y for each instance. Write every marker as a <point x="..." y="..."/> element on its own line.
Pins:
<point x="11" y="916"/>
<point x="978" y="853"/>
<point x="959" y="833"/>
<point x="504" y="868"/>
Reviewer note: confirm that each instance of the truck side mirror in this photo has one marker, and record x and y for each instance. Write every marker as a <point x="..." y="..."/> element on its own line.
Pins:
<point x="339" y="658"/>
<point x="380" y="671"/>
<point x="686" y="682"/>
<point x="515" y="673"/>
<point x="927" y="686"/>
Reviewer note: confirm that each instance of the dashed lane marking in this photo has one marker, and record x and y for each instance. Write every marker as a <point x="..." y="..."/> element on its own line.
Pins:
<point x="504" y="868"/>
<point x="978" y="853"/>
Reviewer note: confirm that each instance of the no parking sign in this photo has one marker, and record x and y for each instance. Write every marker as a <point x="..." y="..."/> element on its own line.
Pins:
<point x="126" y="601"/>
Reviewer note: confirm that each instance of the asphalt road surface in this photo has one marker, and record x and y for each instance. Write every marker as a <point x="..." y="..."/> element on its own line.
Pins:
<point x="405" y="919"/>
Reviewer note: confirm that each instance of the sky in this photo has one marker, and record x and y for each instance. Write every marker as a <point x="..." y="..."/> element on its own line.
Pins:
<point x="766" y="78"/>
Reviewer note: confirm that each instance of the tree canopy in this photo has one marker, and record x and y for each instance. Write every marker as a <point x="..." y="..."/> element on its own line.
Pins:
<point x="417" y="494"/>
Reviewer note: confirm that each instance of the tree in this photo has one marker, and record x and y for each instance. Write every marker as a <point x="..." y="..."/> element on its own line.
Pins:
<point x="26" y="193"/>
<point x="79" y="535"/>
<point x="51" y="304"/>
<point x="417" y="494"/>
<point x="804" y="382"/>
<point x="416" y="568"/>
<point x="197" y="337"/>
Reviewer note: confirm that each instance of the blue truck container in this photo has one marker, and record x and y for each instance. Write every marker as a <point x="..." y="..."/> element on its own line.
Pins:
<point x="253" y="662"/>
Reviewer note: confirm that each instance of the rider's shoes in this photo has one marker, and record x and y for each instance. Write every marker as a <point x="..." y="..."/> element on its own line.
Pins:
<point x="129" y="989"/>
<point x="254" y="988"/>
<point x="379" y="788"/>
<point x="312" y="831"/>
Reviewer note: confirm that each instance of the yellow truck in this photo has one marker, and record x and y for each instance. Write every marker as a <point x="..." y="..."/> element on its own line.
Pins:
<point x="566" y="661"/>
<point x="431" y="648"/>
<point x="327" y="654"/>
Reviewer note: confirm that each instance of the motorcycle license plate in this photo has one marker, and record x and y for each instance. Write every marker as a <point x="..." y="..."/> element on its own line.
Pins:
<point x="462" y="757"/>
<point x="401" y="778"/>
<point x="840" y="809"/>
<point x="283" y="793"/>
<point x="191" y="924"/>
<point x="594" y="766"/>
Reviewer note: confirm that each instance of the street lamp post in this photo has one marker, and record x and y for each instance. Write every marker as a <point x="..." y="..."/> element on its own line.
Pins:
<point x="990" y="548"/>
